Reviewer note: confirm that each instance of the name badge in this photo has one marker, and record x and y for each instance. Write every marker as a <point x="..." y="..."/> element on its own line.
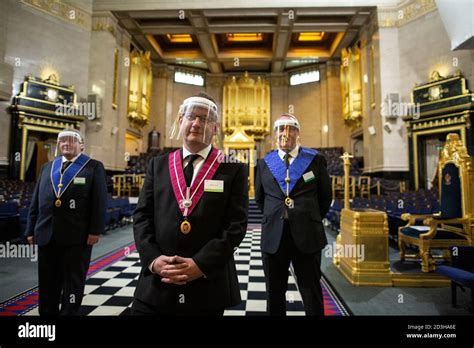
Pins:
<point x="213" y="185"/>
<point x="79" y="181"/>
<point x="307" y="177"/>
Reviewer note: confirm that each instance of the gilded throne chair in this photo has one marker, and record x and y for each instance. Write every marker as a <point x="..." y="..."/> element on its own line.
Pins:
<point x="454" y="224"/>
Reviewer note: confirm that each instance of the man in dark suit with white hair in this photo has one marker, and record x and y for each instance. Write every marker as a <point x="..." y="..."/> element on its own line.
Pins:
<point x="65" y="219"/>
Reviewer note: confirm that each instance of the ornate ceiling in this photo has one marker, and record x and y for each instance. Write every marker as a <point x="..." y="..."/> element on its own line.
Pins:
<point x="233" y="40"/>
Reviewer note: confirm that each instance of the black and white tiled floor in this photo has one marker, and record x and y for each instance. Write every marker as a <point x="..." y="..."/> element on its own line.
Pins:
<point x="110" y="291"/>
<point x="248" y="259"/>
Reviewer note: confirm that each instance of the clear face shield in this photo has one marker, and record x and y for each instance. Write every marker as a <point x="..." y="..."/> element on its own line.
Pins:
<point x="197" y="121"/>
<point x="287" y="131"/>
<point x="69" y="144"/>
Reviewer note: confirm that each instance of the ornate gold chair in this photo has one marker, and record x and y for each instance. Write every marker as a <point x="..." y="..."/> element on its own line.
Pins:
<point x="454" y="224"/>
<point x="352" y="185"/>
<point x="364" y="186"/>
<point x="337" y="185"/>
<point x="118" y="185"/>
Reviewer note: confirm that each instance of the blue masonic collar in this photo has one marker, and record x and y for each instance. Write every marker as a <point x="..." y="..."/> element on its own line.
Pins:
<point x="69" y="174"/>
<point x="297" y="167"/>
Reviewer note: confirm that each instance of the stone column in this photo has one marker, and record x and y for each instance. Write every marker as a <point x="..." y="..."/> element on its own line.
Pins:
<point x="159" y="104"/>
<point x="323" y="105"/>
<point x="5" y="92"/>
<point x="338" y="133"/>
<point x="105" y="136"/>
<point x="215" y="88"/>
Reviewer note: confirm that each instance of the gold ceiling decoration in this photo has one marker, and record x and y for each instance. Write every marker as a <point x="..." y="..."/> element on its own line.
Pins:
<point x="62" y="10"/>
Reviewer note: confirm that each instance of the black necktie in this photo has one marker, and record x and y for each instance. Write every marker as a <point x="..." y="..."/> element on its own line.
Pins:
<point x="65" y="165"/>
<point x="189" y="170"/>
<point x="286" y="158"/>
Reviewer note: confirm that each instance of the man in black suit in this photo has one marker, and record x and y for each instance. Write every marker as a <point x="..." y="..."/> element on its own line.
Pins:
<point x="188" y="221"/>
<point x="66" y="216"/>
<point x="292" y="188"/>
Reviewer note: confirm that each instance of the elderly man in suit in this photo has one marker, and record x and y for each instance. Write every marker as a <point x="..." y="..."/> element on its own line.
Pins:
<point x="191" y="214"/>
<point x="65" y="219"/>
<point x="293" y="190"/>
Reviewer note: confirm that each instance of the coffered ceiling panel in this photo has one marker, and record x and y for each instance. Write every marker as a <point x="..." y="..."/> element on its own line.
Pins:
<point x="230" y="40"/>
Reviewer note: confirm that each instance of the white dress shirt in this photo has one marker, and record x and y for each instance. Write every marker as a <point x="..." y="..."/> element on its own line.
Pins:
<point x="64" y="159"/>
<point x="198" y="162"/>
<point x="293" y="153"/>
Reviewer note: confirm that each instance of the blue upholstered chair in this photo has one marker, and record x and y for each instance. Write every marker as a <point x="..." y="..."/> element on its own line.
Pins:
<point x="454" y="224"/>
<point x="461" y="272"/>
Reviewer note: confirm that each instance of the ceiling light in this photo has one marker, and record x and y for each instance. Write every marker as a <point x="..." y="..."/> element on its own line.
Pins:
<point x="244" y="37"/>
<point x="179" y="38"/>
<point x="315" y="36"/>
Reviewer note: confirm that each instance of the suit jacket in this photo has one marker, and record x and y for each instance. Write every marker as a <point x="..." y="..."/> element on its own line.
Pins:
<point x="311" y="203"/>
<point x="219" y="223"/>
<point x="81" y="213"/>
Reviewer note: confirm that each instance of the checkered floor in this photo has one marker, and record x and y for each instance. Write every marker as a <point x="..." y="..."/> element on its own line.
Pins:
<point x="110" y="286"/>
<point x="110" y="291"/>
<point x="248" y="259"/>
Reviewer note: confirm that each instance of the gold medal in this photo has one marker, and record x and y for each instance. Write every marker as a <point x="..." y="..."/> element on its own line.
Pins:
<point x="289" y="202"/>
<point x="185" y="227"/>
<point x="57" y="203"/>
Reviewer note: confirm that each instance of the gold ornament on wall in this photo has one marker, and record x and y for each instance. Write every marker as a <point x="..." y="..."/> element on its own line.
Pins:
<point x="351" y="86"/>
<point x="139" y="89"/>
<point x="116" y="80"/>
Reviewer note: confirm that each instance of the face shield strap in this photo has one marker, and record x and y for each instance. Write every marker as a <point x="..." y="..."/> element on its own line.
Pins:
<point x="201" y="102"/>
<point x="71" y="134"/>
<point x="286" y="122"/>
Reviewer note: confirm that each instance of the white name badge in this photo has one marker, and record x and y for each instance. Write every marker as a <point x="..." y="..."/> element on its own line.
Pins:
<point x="79" y="181"/>
<point x="213" y="185"/>
<point x="307" y="177"/>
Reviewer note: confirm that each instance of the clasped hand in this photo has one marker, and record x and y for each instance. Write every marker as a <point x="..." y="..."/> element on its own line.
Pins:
<point x="176" y="269"/>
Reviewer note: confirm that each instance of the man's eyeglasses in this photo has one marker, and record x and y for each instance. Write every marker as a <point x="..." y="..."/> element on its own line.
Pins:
<point x="287" y="129"/>
<point x="69" y="140"/>
<point x="202" y="118"/>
